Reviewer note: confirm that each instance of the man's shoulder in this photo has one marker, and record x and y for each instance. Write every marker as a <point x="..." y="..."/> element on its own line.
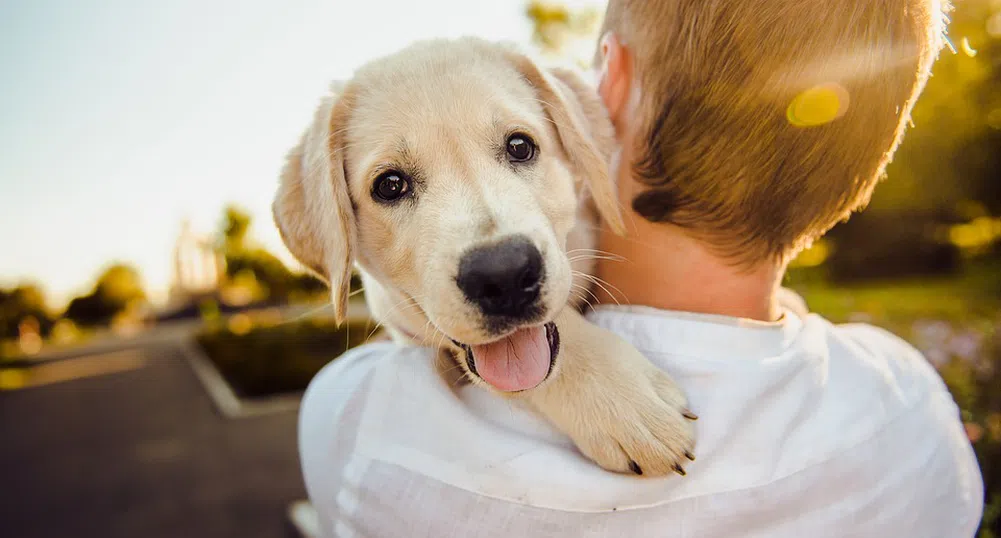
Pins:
<point x="867" y="349"/>
<point x="878" y="378"/>
<point x="362" y="361"/>
<point x="350" y="374"/>
<point x="883" y="414"/>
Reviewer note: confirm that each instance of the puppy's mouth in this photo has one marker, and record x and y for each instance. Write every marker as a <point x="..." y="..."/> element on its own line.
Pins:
<point x="519" y="361"/>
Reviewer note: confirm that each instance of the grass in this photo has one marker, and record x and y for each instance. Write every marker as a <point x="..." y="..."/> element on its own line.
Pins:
<point x="970" y="300"/>
<point x="973" y="294"/>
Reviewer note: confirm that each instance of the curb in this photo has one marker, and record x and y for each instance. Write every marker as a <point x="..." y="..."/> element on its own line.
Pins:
<point x="227" y="403"/>
<point x="225" y="399"/>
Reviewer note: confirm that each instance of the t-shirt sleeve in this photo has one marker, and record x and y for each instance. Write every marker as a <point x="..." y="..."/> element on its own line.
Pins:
<point x="940" y="420"/>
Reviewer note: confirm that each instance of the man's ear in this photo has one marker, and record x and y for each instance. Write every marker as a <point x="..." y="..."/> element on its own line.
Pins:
<point x="615" y="79"/>
<point x="584" y="129"/>
<point x="312" y="207"/>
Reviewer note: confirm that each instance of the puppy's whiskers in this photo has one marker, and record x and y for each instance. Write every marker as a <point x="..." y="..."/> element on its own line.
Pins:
<point x="602" y="284"/>
<point x="306" y="315"/>
<point x="594" y="257"/>
<point x="581" y="297"/>
<point x="356" y="292"/>
<point x="593" y="251"/>
<point x="407" y="304"/>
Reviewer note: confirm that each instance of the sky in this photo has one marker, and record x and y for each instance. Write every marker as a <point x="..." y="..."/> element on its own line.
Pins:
<point x="121" y="118"/>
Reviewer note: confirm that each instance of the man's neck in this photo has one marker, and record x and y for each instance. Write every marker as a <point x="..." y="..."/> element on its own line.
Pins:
<point x="658" y="265"/>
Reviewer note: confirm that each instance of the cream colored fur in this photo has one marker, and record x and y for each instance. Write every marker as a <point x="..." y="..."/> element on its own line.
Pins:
<point x="443" y="108"/>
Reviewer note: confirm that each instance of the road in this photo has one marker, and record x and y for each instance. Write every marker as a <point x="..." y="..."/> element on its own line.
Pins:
<point x="141" y="452"/>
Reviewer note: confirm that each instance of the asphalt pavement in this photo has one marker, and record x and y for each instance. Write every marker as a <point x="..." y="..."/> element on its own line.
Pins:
<point x="142" y="453"/>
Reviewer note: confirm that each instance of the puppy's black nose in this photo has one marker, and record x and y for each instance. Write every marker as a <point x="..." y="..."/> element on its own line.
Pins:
<point x="502" y="279"/>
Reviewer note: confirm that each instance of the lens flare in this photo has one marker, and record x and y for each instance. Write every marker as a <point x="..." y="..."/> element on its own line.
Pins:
<point x="967" y="48"/>
<point x="818" y="105"/>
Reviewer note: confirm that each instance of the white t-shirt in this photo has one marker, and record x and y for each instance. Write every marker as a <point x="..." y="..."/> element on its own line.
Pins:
<point x="806" y="429"/>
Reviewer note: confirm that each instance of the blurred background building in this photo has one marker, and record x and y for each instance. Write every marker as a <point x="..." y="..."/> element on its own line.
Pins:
<point x="198" y="267"/>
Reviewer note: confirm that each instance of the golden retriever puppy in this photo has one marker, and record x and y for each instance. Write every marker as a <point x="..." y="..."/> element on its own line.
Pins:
<point x="464" y="182"/>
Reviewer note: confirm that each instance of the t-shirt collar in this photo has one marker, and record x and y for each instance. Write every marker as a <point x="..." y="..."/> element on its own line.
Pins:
<point x="698" y="335"/>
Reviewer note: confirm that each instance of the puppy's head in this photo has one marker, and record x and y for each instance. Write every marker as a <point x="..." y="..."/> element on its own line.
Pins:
<point x="448" y="173"/>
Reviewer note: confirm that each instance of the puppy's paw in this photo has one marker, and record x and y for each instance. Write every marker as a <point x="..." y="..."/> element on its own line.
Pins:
<point x="640" y="425"/>
<point x="620" y="410"/>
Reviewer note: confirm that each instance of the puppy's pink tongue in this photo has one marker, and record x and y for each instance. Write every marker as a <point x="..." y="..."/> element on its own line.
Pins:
<point x="518" y="362"/>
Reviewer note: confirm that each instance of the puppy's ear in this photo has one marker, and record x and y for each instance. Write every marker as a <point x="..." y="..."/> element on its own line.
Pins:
<point x="585" y="131"/>
<point x="312" y="207"/>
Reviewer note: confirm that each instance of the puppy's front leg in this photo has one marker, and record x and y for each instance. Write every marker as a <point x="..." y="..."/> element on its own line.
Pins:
<point x="619" y="409"/>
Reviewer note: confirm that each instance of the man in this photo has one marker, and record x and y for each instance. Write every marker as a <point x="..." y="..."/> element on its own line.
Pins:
<point x="747" y="129"/>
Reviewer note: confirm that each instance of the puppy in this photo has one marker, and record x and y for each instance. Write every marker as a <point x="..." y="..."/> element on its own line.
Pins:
<point x="464" y="183"/>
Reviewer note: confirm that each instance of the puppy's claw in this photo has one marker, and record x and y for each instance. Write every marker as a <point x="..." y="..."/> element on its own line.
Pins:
<point x="690" y="456"/>
<point x="634" y="467"/>
<point x="679" y="470"/>
<point x="689" y="415"/>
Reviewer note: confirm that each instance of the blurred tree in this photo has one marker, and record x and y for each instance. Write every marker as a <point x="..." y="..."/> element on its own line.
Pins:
<point x="118" y="288"/>
<point x="562" y="32"/>
<point x="947" y="172"/>
<point x="950" y="157"/>
<point x="236" y="224"/>
<point x="244" y="260"/>
<point x="120" y="284"/>
<point x="20" y="304"/>
<point x="550" y="24"/>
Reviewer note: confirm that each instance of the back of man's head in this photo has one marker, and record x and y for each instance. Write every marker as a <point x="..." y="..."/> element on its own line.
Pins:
<point x="762" y="123"/>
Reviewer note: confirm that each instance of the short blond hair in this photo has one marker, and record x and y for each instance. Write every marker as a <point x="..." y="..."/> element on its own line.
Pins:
<point x="717" y="150"/>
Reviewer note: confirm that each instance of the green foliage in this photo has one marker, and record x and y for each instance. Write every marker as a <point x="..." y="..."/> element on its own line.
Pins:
<point x="20" y="304"/>
<point x="120" y="284"/>
<point x="236" y="225"/>
<point x="977" y="389"/>
<point x="992" y="515"/>
<point x="280" y="358"/>
<point x="876" y="245"/>
<point x="951" y="155"/>
<point x="971" y="298"/>
<point x="948" y="169"/>
<point x="244" y="261"/>
<point x="266" y="269"/>
<point x="563" y="32"/>
<point x="118" y="288"/>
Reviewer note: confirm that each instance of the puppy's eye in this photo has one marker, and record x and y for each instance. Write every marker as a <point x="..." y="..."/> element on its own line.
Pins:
<point x="520" y="148"/>
<point x="390" y="186"/>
